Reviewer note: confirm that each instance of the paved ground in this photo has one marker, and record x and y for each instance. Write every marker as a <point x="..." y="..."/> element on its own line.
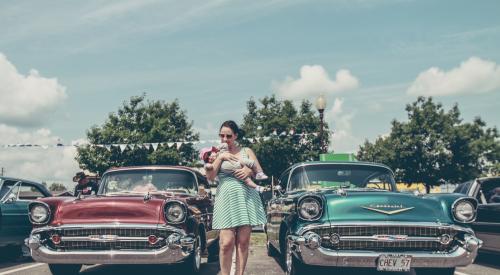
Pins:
<point x="258" y="264"/>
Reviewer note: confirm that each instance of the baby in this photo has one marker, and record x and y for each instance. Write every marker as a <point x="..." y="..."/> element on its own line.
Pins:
<point x="209" y="154"/>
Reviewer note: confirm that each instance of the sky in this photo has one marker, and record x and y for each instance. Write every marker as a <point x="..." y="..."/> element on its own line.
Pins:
<point x="65" y="65"/>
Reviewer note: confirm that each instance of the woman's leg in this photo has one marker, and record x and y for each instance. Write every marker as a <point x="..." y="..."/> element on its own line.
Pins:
<point x="226" y="244"/>
<point x="242" y="244"/>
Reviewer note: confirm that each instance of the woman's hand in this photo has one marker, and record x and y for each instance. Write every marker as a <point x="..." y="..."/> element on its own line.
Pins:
<point x="227" y="156"/>
<point x="243" y="173"/>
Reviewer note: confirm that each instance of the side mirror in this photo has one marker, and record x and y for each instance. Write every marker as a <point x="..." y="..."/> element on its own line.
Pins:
<point x="11" y="198"/>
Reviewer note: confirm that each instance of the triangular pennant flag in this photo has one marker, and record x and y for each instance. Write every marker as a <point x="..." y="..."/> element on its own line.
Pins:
<point x="146" y="145"/>
<point x="283" y="133"/>
<point x="108" y="147"/>
<point x="315" y="134"/>
<point x="179" y="144"/>
<point x="123" y="147"/>
<point x="131" y="146"/>
<point x="170" y="144"/>
<point x="275" y="133"/>
<point x="155" y="145"/>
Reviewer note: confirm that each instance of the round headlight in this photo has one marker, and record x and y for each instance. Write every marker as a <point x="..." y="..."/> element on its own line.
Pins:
<point x="464" y="211"/>
<point x="309" y="208"/>
<point x="175" y="212"/>
<point x="39" y="214"/>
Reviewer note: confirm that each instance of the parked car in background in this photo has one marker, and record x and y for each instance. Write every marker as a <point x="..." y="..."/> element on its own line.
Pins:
<point x="140" y="215"/>
<point x="350" y="214"/>
<point x="487" y="225"/>
<point x="15" y="195"/>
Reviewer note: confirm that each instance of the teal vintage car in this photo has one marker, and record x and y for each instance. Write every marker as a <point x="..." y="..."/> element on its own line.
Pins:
<point x="350" y="214"/>
<point x="15" y="195"/>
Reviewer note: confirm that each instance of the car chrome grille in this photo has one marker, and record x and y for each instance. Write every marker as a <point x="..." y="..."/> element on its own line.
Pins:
<point x="428" y="232"/>
<point x="80" y="239"/>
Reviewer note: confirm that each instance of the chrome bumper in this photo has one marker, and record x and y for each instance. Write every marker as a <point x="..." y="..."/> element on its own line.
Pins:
<point x="463" y="255"/>
<point x="172" y="253"/>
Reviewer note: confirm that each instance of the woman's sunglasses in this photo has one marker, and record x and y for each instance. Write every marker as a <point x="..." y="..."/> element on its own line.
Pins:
<point x="227" y="136"/>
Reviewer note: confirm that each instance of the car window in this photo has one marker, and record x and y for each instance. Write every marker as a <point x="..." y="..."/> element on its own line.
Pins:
<point x="6" y="186"/>
<point x="144" y="181"/>
<point x="463" y="188"/>
<point x="325" y="176"/>
<point x="29" y="192"/>
<point x="490" y="188"/>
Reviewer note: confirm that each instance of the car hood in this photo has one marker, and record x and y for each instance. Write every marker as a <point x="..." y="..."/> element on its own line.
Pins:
<point x="109" y="210"/>
<point x="385" y="206"/>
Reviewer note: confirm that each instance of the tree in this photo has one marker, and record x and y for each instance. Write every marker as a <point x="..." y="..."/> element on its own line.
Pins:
<point x="435" y="146"/>
<point x="136" y="122"/>
<point x="57" y="187"/>
<point x="268" y="123"/>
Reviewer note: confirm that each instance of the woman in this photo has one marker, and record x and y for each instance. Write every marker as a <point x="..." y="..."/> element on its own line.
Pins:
<point x="237" y="206"/>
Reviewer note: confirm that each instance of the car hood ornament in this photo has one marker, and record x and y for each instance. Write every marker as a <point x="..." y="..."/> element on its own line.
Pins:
<point x="388" y="209"/>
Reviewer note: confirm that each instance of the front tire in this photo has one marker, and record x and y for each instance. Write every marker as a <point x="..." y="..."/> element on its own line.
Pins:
<point x="293" y="265"/>
<point x="435" y="271"/>
<point x="193" y="262"/>
<point x="65" y="269"/>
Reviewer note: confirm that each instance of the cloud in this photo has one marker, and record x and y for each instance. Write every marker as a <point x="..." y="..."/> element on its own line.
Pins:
<point x="473" y="76"/>
<point x="54" y="164"/>
<point x="340" y="122"/>
<point x="313" y="81"/>
<point x="27" y="100"/>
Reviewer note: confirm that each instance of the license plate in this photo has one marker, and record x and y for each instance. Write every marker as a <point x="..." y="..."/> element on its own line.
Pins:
<point x="390" y="262"/>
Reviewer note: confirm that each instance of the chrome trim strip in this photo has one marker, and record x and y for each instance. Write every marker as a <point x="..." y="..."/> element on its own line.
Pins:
<point x="375" y="239"/>
<point x="106" y="240"/>
<point x="332" y="225"/>
<point x="110" y="225"/>
<point x="460" y="256"/>
<point x="167" y="254"/>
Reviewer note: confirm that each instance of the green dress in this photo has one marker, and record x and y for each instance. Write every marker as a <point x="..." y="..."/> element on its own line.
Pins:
<point x="236" y="204"/>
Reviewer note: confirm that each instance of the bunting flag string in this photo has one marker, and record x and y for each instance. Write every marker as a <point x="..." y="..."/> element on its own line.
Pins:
<point x="169" y="144"/>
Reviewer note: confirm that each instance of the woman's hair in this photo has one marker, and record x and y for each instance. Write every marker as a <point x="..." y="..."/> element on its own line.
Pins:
<point x="234" y="127"/>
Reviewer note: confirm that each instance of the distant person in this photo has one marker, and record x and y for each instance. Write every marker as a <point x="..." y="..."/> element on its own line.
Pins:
<point x="84" y="184"/>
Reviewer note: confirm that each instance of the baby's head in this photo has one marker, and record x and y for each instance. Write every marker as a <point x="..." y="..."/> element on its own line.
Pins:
<point x="208" y="154"/>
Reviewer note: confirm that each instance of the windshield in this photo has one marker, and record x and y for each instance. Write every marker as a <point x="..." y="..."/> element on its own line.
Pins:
<point x="324" y="176"/>
<point x="148" y="181"/>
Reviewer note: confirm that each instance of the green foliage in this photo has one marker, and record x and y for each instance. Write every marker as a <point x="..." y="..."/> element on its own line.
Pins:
<point x="435" y="146"/>
<point x="279" y="152"/>
<point x="139" y="121"/>
<point x="57" y="187"/>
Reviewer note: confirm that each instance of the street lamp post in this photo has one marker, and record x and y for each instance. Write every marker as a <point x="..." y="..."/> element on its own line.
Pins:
<point x="320" y="105"/>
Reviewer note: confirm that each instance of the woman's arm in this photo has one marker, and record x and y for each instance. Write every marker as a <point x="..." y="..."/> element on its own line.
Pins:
<point x="211" y="174"/>
<point x="245" y="172"/>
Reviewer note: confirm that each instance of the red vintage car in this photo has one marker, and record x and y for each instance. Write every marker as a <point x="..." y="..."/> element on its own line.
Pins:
<point x="140" y="215"/>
